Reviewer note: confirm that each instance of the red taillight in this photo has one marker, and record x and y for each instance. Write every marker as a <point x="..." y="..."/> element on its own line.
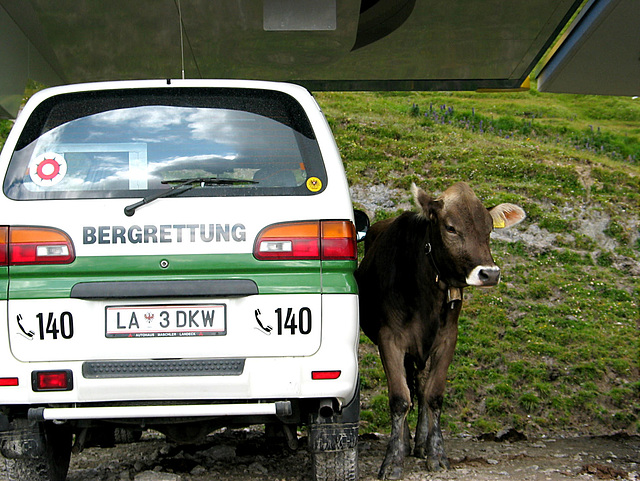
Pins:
<point x="297" y="240"/>
<point x="8" y="381"/>
<point x="52" y="380"/>
<point x="4" y="234"/>
<point x="319" y="375"/>
<point x="39" y="245"/>
<point x="338" y="240"/>
<point x="326" y="240"/>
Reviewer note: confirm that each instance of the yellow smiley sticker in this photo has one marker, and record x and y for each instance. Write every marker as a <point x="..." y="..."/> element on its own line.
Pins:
<point x="314" y="184"/>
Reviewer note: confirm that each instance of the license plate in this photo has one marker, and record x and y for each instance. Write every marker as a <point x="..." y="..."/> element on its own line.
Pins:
<point x="166" y="321"/>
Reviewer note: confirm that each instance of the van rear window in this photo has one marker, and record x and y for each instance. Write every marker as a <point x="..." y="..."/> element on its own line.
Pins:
<point x="132" y="143"/>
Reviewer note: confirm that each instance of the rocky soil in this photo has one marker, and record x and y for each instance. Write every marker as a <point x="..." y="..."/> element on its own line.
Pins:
<point x="246" y="455"/>
<point x="592" y="223"/>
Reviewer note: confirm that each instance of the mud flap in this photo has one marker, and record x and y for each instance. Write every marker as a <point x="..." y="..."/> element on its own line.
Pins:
<point x="333" y="437"/>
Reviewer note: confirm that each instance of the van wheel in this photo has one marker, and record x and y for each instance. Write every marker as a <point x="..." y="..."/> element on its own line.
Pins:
<point x="336" y="465"/>
<point x="334" y="451"/>
<point x="35" y="451"/>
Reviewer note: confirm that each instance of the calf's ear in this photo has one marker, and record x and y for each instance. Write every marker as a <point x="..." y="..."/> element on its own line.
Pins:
<point x="506" y="215"/>
<point x="425" y="202"/>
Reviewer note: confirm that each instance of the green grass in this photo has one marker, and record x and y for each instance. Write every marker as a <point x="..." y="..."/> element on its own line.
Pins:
<point x="5" y="127"/>
<point x="555" y="346"/>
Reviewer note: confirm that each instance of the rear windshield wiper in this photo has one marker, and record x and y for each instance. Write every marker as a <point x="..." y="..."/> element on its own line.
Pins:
<point x="183" y="185"/>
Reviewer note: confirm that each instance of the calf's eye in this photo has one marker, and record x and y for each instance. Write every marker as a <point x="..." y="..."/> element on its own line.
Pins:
<point x="451" y="229"/>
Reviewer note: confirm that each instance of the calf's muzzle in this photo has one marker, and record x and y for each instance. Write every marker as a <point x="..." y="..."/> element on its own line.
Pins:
<point x="484" y="276"/>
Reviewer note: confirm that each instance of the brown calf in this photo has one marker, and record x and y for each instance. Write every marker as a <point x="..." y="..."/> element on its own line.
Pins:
<point x="410" y="281"/>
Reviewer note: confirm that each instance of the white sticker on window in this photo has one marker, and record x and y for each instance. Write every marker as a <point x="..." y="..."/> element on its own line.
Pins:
<point x="47" y="169"/>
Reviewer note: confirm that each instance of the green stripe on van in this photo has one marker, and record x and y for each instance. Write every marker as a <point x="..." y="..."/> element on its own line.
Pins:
<point x="272" y="277"/>
<point x="4" y="283"/>
<point x="337" y="277"/>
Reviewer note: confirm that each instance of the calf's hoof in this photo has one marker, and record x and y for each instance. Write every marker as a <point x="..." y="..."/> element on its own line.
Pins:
<point x="437" y="463"/>
<point x="390" y="472"/>
<point x="391" y="467"/>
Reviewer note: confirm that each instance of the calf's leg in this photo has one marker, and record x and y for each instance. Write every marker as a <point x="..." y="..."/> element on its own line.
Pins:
<point x="432" y="383"/>
<point x="422" y="428"/>
<point x="436" y="455"/>
<point x="399" y="403"/>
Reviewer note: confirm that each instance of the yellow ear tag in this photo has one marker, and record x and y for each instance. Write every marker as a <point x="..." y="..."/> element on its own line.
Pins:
<point x="314" y="184"/>
<point x="499" y="223"/>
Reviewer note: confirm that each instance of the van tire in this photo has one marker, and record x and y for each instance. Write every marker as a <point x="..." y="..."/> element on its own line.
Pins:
<point x="35" y="451"/>
<point x="336" y="465"/>
<point x="334" y="451"/>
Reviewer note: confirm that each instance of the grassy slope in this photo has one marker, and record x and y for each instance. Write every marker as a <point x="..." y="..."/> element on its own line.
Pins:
<point x="555" y="346"/>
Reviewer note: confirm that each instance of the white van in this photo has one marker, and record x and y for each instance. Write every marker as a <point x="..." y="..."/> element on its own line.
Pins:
<point x="175" y="255"/>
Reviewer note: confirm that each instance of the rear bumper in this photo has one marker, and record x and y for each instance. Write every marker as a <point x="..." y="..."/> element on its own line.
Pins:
<point x="280" y="409"/>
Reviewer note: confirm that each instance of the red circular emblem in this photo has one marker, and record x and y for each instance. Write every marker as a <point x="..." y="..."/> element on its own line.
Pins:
<point x="48" y="169"/>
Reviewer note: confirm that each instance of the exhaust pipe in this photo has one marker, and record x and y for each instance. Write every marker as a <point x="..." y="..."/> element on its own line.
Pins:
<point x="326" y="408"/>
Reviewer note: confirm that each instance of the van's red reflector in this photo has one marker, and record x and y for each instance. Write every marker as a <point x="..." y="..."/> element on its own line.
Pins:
<point x="8" y="381"/>
<point x="316" y="375"/>
<point x="52" y="380"/>
<point x="310" y="240"/>
<point x="39" y="245"/>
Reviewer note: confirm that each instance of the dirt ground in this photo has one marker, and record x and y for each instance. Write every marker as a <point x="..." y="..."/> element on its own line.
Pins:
<point x="246" y="455"/>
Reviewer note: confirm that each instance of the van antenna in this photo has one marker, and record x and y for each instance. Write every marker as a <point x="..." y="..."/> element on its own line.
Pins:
<point x="181" y="38"/>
